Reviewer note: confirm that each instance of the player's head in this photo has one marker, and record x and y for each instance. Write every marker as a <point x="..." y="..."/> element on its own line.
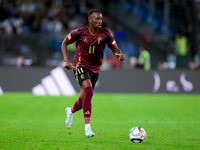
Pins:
<point x="95" y="19"/>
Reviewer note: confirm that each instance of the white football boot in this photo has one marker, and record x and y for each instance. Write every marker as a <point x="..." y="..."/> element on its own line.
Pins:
<point x="69" y="118"/>
<point x="89" y="133"/>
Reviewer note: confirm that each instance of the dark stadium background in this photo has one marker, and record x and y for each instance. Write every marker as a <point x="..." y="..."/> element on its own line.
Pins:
<point x="31" y="32"/>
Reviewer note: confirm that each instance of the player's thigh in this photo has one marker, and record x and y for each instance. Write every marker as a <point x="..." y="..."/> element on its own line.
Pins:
<point x="85" y="84"/>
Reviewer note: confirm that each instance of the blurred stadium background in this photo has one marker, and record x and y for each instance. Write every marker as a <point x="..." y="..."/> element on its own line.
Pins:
<point x="31" y="32"/>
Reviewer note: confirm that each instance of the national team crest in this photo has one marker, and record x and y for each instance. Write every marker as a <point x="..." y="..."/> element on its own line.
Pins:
<point x="99" y="40"/>
<point x="82" y="76"/>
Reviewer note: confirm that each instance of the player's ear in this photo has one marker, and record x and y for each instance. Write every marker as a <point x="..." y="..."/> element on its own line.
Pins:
<point x="89" y="19"/>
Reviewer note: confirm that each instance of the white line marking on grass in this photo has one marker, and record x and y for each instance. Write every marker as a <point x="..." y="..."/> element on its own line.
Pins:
<point x="148" y="122"/>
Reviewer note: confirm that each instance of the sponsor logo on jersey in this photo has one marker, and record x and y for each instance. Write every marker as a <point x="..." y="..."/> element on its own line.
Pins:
<point x="85" y="40"/>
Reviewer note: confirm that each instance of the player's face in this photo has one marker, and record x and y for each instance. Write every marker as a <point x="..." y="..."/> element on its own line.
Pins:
<point x="96" y="20"/>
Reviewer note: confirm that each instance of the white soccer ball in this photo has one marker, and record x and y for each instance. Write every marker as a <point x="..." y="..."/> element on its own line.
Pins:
<point x="137" y="134"/>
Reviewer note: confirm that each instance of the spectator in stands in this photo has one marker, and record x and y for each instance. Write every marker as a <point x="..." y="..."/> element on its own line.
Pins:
<point x="143" y="61"/>
<point x="54" y="10"/>
<point x="4" y="9"/>
<point x="20" y="63"/>
<point x="44" y="25"/>
<point x="115" y="62"/>
<point x="28" y="7"/>
<point x="145" y="39"/>
<point x="13" y="25"/>
<point x="110" y="62"/>
<point x="55" y="26"/>
<point x="35" y="25"/>
<point x="132" y="62"/>
<point x="73" y="23"/>
<point x="82" y="7"/>
<point x="71" y="12"/>
<point x="181" y="51"/>
<point x="119" y="33"/>
<point x="14" y="11"/>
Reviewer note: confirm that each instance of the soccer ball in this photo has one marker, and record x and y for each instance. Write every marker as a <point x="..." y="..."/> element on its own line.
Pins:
<point x="137" y="135"/>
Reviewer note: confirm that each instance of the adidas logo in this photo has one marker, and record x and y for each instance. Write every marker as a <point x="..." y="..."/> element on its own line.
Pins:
<point x="1" y="91"/>
<point x="55" y="84"/>
<point x="85" y="40"/>
<point x="142" y="136"/>
<point x="87" y="113"/>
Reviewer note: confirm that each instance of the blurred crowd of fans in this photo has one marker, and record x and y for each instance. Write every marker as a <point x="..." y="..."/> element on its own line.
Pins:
<point x="56" y="18"/>
<point x="47" y="16"/>
<point x="180" y="14"/>
<point x="180" y="28"/>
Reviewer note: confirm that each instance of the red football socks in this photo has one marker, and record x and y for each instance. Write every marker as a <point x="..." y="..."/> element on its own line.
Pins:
<point x="87" y="105"/>
<point x="77" y="105"/>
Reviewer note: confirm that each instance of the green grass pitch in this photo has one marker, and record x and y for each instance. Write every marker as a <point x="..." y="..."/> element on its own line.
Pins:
<point x="171" y="121"/>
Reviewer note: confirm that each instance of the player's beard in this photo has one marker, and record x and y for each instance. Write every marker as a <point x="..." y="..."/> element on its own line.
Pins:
<point x="96" y="28"/>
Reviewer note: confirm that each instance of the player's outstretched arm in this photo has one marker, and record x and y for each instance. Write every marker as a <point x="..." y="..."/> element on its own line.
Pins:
<point x="69" y="64"/>
<point x="117" y="52"/>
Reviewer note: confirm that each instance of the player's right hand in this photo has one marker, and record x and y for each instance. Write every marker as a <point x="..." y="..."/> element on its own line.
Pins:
<point x="68" y="66"/>
<point x="120" y="56"/>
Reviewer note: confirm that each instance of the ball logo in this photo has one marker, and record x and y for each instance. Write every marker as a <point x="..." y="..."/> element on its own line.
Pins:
<point x="142" y="136"/>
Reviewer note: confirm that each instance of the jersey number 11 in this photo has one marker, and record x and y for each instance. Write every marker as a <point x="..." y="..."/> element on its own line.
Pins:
<point x="91" y="49"/>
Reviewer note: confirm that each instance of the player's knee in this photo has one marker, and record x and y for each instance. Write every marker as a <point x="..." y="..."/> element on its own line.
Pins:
<point x="88" y="91"/>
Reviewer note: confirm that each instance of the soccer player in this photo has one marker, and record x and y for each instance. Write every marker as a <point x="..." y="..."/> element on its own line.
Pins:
<point x="91" y="42"/>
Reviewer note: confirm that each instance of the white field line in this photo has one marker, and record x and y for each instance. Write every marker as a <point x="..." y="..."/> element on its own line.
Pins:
<point x="147" y="122"/>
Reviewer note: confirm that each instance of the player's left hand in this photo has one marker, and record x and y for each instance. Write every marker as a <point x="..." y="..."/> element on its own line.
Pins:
<point x="121" y="56"/>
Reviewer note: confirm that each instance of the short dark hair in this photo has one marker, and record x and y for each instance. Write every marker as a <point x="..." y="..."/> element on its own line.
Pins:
<point x="91" y="11"/>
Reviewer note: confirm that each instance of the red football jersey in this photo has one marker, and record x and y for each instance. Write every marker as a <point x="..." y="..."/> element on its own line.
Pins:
<point x="90" y="48"/>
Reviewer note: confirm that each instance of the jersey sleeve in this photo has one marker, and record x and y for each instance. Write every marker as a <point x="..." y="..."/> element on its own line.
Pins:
<point x="72" y="36"/>
<point x="111" y="42"/>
